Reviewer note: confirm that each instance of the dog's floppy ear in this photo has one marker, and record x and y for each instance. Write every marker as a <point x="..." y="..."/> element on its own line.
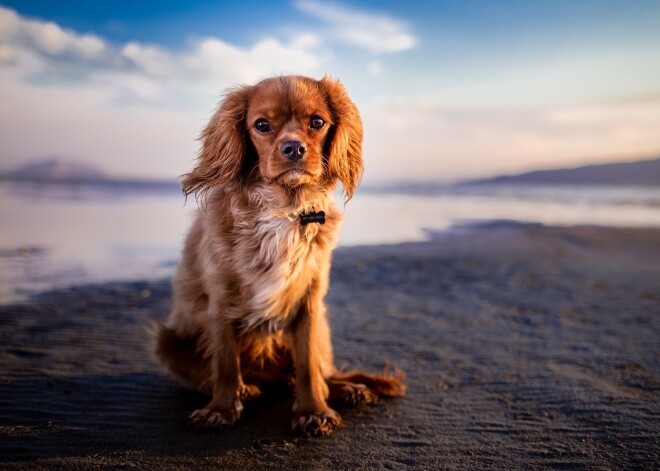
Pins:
<point x="343" y="147"/>
<point x="223" y="146"/>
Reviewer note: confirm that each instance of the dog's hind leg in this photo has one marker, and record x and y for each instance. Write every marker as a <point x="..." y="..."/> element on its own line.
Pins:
<point x="183" y="358"/>
<point x="353" y="388"/>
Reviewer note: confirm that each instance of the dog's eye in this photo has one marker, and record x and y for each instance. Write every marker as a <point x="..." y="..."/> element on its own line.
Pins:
<point x="316" y="123"/>
<point x="263" y="126"/>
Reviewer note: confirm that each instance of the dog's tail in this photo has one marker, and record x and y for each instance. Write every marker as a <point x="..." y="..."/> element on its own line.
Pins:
<point x="181" y="356"/>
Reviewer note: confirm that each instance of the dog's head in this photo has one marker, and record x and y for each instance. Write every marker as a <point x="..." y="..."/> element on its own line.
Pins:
<point x="289" y="131"/>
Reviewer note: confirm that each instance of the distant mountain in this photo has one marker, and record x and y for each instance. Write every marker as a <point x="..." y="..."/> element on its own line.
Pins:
<point x="640" y="173"/>
<point x="56" y="170"/>
<point x="62" y="171"/>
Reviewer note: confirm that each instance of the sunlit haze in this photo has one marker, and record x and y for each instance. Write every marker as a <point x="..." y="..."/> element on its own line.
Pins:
<point x="447" y="90"/>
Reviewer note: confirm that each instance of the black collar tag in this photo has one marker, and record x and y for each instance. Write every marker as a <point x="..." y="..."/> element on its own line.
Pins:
<point x="306" y="218"/>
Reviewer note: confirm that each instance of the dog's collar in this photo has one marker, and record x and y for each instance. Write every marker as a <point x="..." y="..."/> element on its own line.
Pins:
<point x="312" y="216"/>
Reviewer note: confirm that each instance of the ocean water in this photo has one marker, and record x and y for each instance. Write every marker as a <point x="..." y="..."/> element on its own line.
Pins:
<point x="61" y="235"/>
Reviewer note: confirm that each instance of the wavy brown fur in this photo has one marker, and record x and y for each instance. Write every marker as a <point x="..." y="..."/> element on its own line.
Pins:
<point x="248" y="304"/>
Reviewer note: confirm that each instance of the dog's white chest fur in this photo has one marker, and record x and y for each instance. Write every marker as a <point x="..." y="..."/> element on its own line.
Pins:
<point x="282" y="265"/>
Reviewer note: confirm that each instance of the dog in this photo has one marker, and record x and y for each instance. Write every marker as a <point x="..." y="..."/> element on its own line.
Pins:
<point x="248" y="295"/>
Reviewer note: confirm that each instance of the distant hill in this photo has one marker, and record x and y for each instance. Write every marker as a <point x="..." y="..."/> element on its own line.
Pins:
<point x="640" y="173"/>
<point x="62" y="171"/>
<point x="643" y="173"/>
<point x="56" y="170"/>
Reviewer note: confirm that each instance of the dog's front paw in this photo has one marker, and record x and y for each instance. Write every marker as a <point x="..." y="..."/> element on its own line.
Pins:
<point x="211" y="417"/>
<point x="313" y="425"/>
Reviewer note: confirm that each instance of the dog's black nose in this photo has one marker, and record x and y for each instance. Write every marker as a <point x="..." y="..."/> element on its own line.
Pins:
<point x="293" y="150"/>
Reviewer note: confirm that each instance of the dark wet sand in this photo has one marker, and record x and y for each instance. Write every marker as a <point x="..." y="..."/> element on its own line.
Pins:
<point x="525" y="347"/>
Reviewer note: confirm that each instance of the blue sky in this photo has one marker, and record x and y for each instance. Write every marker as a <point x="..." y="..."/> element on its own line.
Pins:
<point x="447" y="89"/>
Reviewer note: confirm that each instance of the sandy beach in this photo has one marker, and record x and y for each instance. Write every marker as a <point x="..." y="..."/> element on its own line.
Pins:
<point x="524" y="347"/>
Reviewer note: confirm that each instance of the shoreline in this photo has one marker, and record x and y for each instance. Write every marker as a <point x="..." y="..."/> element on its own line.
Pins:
<point x="525" y="346"/>
<point x="27" y="258"/>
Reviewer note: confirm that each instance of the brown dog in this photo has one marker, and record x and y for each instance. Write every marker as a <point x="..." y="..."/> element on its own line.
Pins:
<point x="248" y="293"/>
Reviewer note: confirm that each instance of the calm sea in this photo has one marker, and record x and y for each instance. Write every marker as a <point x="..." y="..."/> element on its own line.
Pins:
<point x="57" y="235"/>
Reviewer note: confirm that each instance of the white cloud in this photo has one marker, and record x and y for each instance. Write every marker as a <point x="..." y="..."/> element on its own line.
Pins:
<point x="49" y="37"/>
<point x="83" y="123"/>
<point x="149" y="59"/>
<point x="419" y="139"/>
<point x="210" y="61"/>
<point x="131" y="108"/>
<point x="377" y="33"/>
<point x="137" y="108"/>
<point x="375" y="67"/>
<point x="43" y="52"/>
<point x="46" y="37"/>
<point x="10" y="23"/>
<point x="213" y="58"/>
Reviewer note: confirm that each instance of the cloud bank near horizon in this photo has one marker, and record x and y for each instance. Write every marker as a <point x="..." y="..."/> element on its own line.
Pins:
<point x="136" y="108"/>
